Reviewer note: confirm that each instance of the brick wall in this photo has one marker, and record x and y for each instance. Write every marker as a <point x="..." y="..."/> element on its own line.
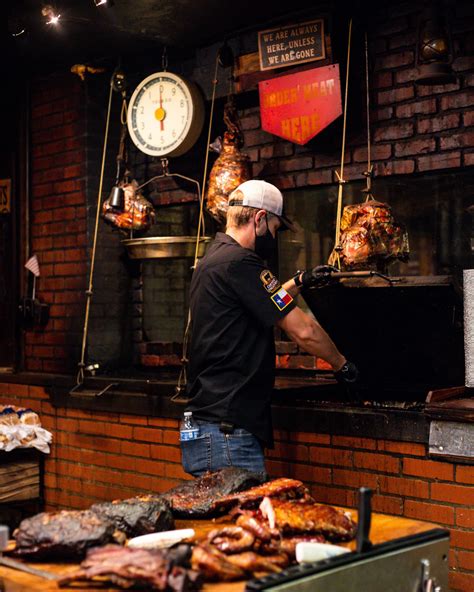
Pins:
<point x="415" y="129"/>
<point x="103" y="456"/>
<point x="58" y="220"/>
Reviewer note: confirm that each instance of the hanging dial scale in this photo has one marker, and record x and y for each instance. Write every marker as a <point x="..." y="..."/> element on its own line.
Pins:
<point x="165" y="115"/>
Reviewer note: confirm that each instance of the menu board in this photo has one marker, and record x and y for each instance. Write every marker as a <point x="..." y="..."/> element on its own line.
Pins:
<point x="291" y="45"/>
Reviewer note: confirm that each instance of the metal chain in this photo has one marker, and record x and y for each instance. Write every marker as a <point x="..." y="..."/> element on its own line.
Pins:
<point x="182" y="379"/>
<point x="89" y="292"/>
<point x="340" y="174"/>
<point x="369" y="172"/>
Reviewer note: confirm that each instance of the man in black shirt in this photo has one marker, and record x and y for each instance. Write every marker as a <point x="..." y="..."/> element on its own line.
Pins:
<point x="235" y="303"/>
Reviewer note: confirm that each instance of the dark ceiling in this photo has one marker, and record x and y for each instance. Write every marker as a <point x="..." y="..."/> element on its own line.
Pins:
<point x="127" y="26"/>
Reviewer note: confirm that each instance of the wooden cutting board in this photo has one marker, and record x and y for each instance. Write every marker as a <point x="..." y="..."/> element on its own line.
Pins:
<point x="384" y="528"/>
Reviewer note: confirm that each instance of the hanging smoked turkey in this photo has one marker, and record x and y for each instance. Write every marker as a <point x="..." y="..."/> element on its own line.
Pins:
<point x="231" y="168"/>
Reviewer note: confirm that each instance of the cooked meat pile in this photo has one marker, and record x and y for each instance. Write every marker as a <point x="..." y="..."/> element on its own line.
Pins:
<point x="264" y="540"/>
<point x="138" y="515"/>
<point x="65" y="535"/>
<point x="68" y="535"/>
<point x="281" y="488"/>
<point x="303" y="516"/>
<point x="127" y="567"/>
<point x="201" y="497"/>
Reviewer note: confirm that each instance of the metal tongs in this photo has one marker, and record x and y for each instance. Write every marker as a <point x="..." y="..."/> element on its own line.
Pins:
<point x="339" y="275"/>
<point x="18" y="565"/>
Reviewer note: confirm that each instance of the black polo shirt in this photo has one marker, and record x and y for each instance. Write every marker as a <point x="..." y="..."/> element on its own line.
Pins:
<point x="235" y="302"/>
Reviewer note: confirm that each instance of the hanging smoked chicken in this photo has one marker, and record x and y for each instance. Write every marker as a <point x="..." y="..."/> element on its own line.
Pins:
<point x="137" y="212"/>
<point x="230" y="169"/>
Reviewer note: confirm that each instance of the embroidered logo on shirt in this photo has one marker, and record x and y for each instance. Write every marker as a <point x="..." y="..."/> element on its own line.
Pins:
<point x="269" y="281"/>
<point x="281" y="299"/>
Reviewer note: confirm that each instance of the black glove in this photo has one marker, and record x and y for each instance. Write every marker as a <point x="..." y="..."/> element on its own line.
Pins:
<point x="348" y="374"/>
<point x="317" y="277"/>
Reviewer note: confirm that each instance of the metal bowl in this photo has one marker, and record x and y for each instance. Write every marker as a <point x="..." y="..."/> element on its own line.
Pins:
<point x="165" y="247"/>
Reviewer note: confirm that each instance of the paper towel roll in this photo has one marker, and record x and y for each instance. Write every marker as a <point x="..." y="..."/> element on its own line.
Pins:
<point x="469" y="326"/>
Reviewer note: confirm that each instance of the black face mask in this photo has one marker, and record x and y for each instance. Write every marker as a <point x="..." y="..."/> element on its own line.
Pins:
<point x="265" y="245"/>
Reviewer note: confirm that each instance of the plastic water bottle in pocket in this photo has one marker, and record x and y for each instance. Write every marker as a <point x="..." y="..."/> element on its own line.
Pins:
<point x="188" y="429"/>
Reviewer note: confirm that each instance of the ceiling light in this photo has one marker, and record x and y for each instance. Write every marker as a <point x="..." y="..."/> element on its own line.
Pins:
<point x="50" y="13"/>
<point x="100" y="2"/>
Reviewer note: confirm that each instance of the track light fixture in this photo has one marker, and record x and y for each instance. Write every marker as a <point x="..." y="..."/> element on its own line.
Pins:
<point x="51" y="14"/>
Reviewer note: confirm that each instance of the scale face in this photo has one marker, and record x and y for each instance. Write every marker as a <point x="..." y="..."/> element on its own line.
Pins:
<point x="165" y="115"/>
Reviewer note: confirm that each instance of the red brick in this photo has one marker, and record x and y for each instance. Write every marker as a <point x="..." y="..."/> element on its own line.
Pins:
<point x="330" y="456"/>
<point x="412" y="109"/>
<point x="466" y="560"/>
<point x="436" y="124"/>
<point x="151" y="467"/>
<point x="133" y="419"/>
<point x="377" y="462"/>
<point x="464" y="139"/>
<point x="457" y="494"/>
<point x="465" y="474"/>
<point x="418" y="146"/>
<point x="396" y="131"/>
<point x="395" y="95"/>
<point x="134" y="449"/>
<point x="382" y="80"/>
<point x="353" y="478"/>
<point x="465" y="517"/>
<point x="170" y="437"/>
<point x="457" y="100"/>
<point x="430" y="512"/>
<point x="429" y="90"/>
<point x="395" y="60"/>
<point x="250" y="122"/>
<point x="175" y="471"/>
<point x="428" y="469"/>
<point x="166" y="453"/>
<point x="283" y="181"/>
<point x="296" y="164"/>
<point x="350" y="442"/>
<point x="461" y="582"/>
<point x="114" y="430"/>
<point x="464" y="539"/>
<point x="254" y="137"/>
<point x="309" y="473"/>
<point x="164" y="422"/>
<point x="148" y="434"/>
<point x="333" y="495"/>
<point x="468" y="118"/>
<point x="439" y="161"/>
<point x="314" y="178"/>
<point x="378" y="152"/>
<point x="404" y="487"/>
<point x="387" y="504"/>
<point x="468" y="159"/>
<point x="383" y="114"/>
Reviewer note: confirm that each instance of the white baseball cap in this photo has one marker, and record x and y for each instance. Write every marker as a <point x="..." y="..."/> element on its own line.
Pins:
<point x="263" y="196"/>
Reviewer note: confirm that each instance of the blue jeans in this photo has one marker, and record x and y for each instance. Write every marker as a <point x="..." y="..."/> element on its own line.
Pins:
<point x="214" y="450"/>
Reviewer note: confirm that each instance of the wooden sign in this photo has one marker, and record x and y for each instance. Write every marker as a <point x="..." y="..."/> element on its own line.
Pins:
<point x="5" y="196"/>
<point x="298" y="106"/>
<point x="288" y="46"/>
